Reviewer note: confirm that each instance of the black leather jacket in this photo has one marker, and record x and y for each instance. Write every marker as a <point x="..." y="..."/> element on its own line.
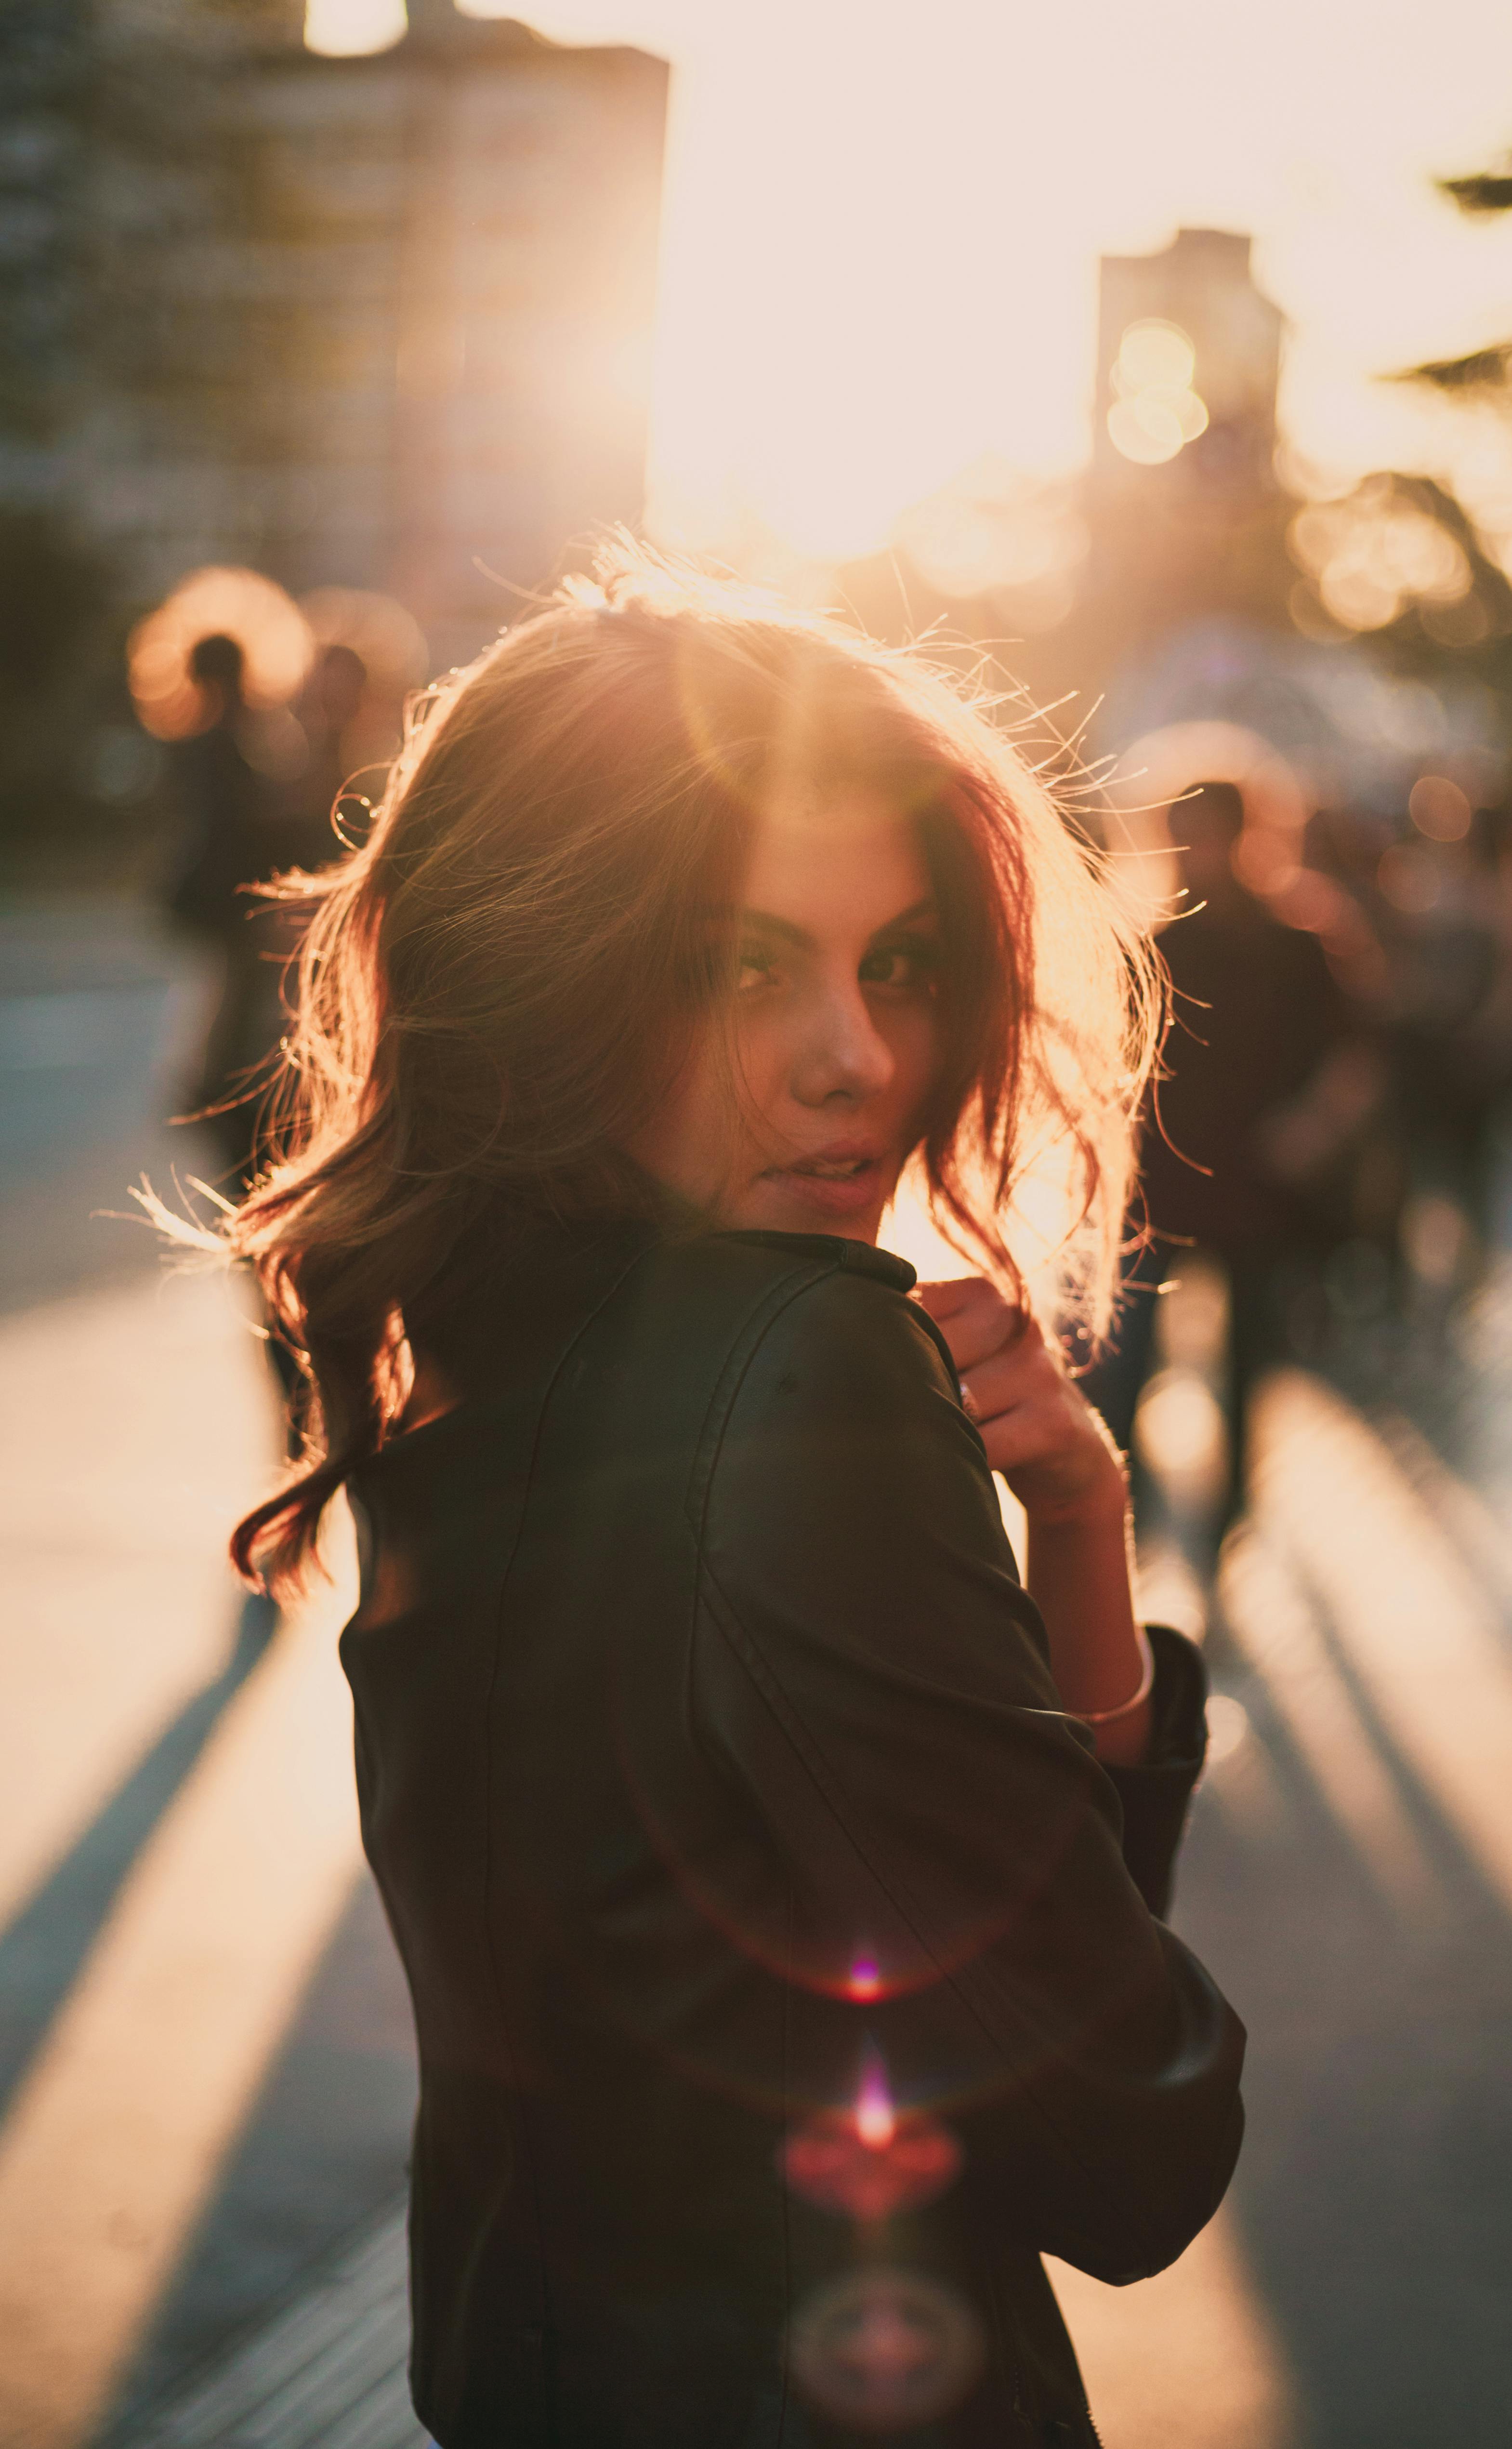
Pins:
<point x="708" y="1755"/>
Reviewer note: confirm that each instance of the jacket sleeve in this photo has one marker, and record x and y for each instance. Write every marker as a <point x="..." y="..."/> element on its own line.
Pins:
<point x="1154" y="1796"/>
<point x="872" y="1674"/>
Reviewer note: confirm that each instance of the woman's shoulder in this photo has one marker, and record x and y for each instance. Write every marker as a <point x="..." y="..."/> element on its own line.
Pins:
<point x="783" y="1294"/>
<point x="751" y="1256"/>
<point x="798" y="1328"/>
<point x="689" y="1328"/>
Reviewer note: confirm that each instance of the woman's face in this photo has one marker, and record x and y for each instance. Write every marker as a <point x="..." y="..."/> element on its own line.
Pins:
<point x="834" y="1028"/>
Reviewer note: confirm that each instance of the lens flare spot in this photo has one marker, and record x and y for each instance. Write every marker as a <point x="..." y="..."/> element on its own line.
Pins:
<point x="828" y="2164"/>
<point x="865" y="1978"/>
<point x="875" y="2118"/>
<point x="884" y="2349"/>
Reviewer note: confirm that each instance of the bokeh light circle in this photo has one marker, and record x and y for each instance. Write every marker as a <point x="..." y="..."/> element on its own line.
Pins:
<point x="1155" y="353"/>
<point x="1144" y="431"/>
<point x="388" y="639"/>
<point x="1438" y="808"/>
<point x="268" y="626"/>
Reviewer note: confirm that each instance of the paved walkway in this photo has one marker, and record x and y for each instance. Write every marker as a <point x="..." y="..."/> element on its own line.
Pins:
<point x="326" y="2371"/>
<point x="205" y="2077"/>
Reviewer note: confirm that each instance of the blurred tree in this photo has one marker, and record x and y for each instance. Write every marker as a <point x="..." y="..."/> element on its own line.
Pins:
<point x="1479" y="194"/>
<point x="1399" y="560"/>
<point x="1484" y="191"/>
<point x="1470" y="619"/>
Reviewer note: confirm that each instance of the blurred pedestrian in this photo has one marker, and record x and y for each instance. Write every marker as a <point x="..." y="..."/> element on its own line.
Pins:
<point x="246" y="814"/>
<point x="228" y="809"/>
<point x="315" y="829"/>
<point x="256" y="798"/>
<point x="1444" y="913"/>
<point x="1268" y="1075"/>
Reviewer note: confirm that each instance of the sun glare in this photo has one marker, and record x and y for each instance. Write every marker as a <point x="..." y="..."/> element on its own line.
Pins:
<point x="880" y="241"/>
<point x="345" y="29"/>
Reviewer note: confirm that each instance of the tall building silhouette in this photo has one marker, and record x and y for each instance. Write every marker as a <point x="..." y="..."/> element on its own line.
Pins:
<point x="1188" y="358"/>
<point x="381" y="321"/>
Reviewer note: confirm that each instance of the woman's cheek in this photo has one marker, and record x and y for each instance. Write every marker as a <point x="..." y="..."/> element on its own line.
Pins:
<point x="917" y="1052"/>
<point x="763" y="1067"/>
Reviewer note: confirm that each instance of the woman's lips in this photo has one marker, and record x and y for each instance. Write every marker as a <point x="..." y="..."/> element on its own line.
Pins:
<point x="830" y="1194"/>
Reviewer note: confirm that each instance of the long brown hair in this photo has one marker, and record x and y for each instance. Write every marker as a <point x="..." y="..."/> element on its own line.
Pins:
<point x="496" y="989"/>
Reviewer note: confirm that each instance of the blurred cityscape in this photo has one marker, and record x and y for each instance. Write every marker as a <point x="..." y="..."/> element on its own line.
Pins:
<point x="323" y="363"/>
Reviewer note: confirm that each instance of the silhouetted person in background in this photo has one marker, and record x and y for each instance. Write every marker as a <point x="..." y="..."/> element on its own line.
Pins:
<point x="246" y="816"/>
<point x="1263" y="1062"/>
<point x="252" y="808"/>
<point x="327" y="710"/>
<point x="228" y="812"/>
<point x="219" y="798"/>
<point x="1449" y="1016"/>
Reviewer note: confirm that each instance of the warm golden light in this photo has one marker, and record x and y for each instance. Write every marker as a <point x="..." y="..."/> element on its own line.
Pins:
<point x="1392" y="1578"/>
<point x="875" y="267"/>
<point x="1371" y="554"/>
<point x="344" y="29"/>
<point x="1438" y="808"/>
<point x="239" y="604"/>
<point x="1153" y="355"/>
<point x="388" y="638"/>
<point x="993" y="533"/>
<point x="1156" y="411"/>
<point x="1146" y="430"/>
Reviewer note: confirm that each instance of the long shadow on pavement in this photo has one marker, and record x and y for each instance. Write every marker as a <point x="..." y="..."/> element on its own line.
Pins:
<point x="1371" y="2193"/>
<point x="44" y="1948"/>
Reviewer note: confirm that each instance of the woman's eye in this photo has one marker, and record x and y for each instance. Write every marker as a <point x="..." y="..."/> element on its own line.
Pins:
<point x="902" y="968"/>
<point x="754" y="969"/>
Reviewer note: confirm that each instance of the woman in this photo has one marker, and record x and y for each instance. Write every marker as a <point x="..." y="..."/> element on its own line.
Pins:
<point x="784" y="1970"/>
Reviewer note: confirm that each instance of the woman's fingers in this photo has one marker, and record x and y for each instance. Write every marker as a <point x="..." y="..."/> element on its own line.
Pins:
<point x="1006" y="1381"/>
<point x="974" y="1318"/>
<point x="1016" y="1438"/>
<point x="1034" y="1425"/>
<point x="944" y="1295"/>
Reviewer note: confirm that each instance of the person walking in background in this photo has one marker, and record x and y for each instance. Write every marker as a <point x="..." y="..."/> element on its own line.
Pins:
<point x="255" y="800"/>
<point x="1266" y="1074"/>
<point x="227" y="805"/>
<point x="310" y="835"/>
<point x="1443" y="911"/>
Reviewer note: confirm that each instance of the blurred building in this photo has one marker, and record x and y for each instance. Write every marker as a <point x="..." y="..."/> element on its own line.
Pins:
<point x="1186" y="514"/>
<point x="458" y="243"/>
<point x="1188" y="351"/>
<point x="1178" y="518"/>
<point x="380" y="322"/>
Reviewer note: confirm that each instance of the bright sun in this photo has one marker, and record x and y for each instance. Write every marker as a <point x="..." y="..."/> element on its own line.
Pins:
<point x="881" y="228"/>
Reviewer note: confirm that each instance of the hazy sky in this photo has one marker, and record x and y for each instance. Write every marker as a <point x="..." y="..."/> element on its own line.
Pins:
<point x="884" y="217"/>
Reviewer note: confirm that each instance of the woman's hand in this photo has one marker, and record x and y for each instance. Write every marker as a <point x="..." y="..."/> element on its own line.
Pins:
<point x="1063" y="1465"/>
<point x="1038" y="1430"/>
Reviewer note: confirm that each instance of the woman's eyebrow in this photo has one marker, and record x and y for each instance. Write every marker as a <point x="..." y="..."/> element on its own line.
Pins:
<point x="916" y="910"/>
<point x="766" y="923"/>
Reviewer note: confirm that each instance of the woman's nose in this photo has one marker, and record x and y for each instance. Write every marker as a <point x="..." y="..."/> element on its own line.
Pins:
<point x="843" y="1054"/>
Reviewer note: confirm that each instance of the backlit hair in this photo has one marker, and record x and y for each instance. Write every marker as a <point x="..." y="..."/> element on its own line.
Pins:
<point x="498" y="987"/>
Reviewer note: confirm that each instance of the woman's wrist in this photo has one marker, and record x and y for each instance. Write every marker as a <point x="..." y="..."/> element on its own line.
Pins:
<point x="1092" y="1513"/>
<point x="1077" y="1571"/>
